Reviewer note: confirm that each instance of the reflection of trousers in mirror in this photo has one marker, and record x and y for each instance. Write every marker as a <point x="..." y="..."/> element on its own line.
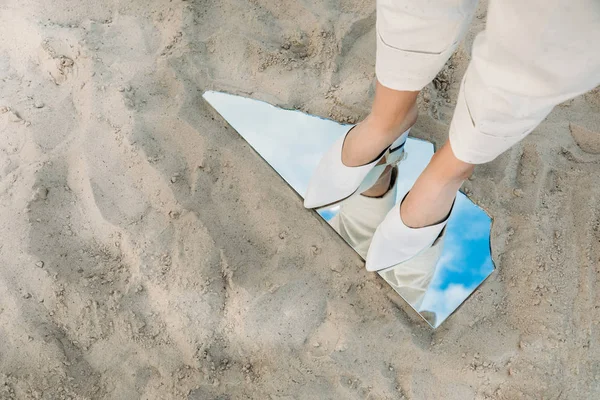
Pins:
<point x="412" y="278"/>
<point x="356" y="222"/>
<point x="533" y="55"/>
<point x="359" y="216"/>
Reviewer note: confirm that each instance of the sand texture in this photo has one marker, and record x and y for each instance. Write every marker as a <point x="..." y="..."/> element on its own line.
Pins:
<point x="148" y="253"/>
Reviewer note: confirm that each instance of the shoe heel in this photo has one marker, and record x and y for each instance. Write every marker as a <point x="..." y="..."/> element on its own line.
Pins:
<point x="399" y="143"/>
<point x="396" y="157"/>
<point x="397" y="153"/>
<point x="392" y="157"/>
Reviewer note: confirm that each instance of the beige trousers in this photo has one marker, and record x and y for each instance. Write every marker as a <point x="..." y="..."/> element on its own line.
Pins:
<point x="533" y="55"/>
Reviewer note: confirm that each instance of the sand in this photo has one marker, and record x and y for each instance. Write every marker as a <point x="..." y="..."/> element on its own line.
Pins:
<point x="147" y="252"/>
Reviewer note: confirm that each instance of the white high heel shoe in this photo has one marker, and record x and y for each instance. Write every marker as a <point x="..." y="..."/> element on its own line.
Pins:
<point x="333" y="181"/>
<point x="394" y="242"/>
<point x="393" y="156"/>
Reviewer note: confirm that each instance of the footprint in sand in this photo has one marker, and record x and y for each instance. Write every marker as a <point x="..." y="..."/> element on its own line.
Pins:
<point x="588" y="140"/>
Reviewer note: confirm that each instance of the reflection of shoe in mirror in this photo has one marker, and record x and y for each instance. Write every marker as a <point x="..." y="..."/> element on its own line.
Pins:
<point x="333" y="181"/>
<point x="359" y="216"/>
<point x="394" y="242"/>
<point x="384" y="183"/>
<point x="393" y="157"/>
<point x="411" y="279"/>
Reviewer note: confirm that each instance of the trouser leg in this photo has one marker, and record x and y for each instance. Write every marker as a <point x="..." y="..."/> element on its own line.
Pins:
<point x="533" y="55"/>
<point x="415" y="38"/>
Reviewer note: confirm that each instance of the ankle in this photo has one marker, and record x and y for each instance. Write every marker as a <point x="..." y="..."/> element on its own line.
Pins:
<point x="391" y="126"/>
<point x="449" y="168"/>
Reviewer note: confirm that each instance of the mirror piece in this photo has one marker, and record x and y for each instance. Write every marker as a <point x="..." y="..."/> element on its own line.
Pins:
<point x="435" y="282"/>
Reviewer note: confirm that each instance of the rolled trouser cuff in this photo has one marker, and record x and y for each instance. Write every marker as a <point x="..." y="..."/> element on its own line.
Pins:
<point x="472" y="145"/>
<point x="407" y="70"/>
<point x="415" y="39"/>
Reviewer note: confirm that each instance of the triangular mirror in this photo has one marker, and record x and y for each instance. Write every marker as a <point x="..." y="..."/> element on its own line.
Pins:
<point x="436" y="282"/>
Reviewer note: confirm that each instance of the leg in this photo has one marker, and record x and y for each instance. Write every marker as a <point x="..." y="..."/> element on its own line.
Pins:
<point x="431" y="197"/>
<point x="414" y="40"/>
<point x="532" y="56"/>
<point x="392" y="113"/>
